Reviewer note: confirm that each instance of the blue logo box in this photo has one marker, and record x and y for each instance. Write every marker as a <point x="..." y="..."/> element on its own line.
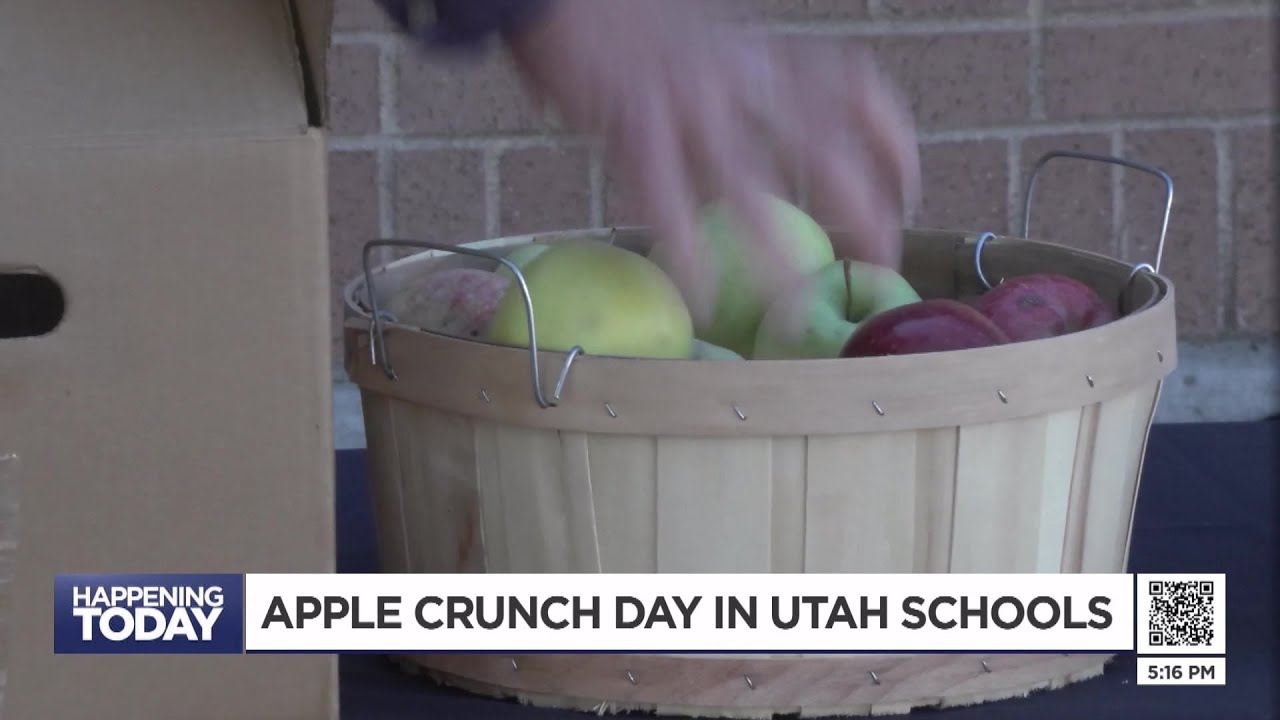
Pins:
<point x="161" y="614"/>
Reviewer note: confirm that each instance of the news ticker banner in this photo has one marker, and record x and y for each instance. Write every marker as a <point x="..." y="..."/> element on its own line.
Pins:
<point x="664" y="613"/>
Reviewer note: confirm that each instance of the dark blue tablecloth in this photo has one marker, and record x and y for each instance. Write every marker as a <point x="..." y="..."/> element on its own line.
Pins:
<point x="1208" y="504"/>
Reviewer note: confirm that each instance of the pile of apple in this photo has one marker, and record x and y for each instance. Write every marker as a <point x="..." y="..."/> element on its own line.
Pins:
<point x="612" y="301"/>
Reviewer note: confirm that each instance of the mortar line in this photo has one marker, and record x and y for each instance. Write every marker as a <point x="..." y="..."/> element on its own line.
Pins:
<point x="1201" y="11"/>
<point x="386" y="199"/>
<point x="388" y="89"/>
<point x="1015" y="182"/>
<point x="492" y="189"/>
<point x="1119" y="230"/>
<point x="802" y="195"/>
<point x="596" y="179"/>
<point x="1108" y="125"/>
<point x="401" y="142"/>
<point x="1013" y="24"/>
<point x="994" y="132"/>
<point x="1035" y="53"/>
<point x="1228" y="312"/>
<point x="879" y="25"/>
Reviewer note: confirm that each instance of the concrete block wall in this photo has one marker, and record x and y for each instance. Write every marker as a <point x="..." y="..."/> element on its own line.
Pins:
<point x="8" y="547"/>
<point x="451" y="150"/>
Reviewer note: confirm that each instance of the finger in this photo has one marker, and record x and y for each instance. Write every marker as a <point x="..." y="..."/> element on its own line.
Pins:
<point x="846" y="187"/>
<point x="650" y="159"/>
<point x="781" y="110"/>
<point x="881" y="114"/>
<point x="868" y="223"/>
<point x="736" y="172"/>
<point x="766" y="101"/>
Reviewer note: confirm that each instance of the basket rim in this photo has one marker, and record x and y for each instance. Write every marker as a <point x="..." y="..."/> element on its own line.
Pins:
<point x="489" y="381"/>
<point x="877" y="685"/>
<point x="354" y="284"/>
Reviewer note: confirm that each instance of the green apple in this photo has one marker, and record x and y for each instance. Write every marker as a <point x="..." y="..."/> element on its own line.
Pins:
<point x="741" y="300"/>
<point x="815" y="319"/>
<point x="606" y="299"/>
<point x="521" y="257"/>
<point x="703" y="350"/>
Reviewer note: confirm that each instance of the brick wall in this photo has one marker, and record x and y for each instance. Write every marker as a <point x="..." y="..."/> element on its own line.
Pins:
<point x="452" y="151"/>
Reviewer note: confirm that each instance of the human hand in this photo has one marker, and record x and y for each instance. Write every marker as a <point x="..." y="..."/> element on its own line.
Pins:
<point x="692" y="111"/>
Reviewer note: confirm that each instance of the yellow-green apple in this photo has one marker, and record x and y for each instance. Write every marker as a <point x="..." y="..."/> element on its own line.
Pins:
<point x="703" y="350"/>
<point x="935" y="325"/>
<point x="457" y="302"/>
<point x="815" y="318"/>
<point x="742" y="295"/>
<point x="1044" y="305"/>
<point x="606" y="299"/>
<point x="520" y="257"/>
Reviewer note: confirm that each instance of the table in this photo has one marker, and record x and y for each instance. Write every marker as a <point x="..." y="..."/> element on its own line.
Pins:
<point x="1207" y="504"/>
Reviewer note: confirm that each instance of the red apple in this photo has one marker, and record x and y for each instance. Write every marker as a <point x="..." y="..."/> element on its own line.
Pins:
<point x="1034" y="307"/>
<point x="922" y="327"/>
<point x="457" y="302"/>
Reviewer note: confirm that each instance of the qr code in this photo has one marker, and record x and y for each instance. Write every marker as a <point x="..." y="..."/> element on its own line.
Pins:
<point x="1181" y="613"/>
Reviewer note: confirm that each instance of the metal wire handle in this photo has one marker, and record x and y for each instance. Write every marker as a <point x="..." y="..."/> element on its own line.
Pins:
<point x="1149" y="169"/>
<point x="1026" y="209"/>
<point x="377" y="342"/>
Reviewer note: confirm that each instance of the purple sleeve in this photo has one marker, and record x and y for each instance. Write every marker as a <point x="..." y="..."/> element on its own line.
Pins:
<point x="460" y="23"/>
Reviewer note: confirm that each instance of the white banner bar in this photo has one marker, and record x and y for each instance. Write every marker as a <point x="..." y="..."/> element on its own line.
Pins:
<point x="689" y="613"/>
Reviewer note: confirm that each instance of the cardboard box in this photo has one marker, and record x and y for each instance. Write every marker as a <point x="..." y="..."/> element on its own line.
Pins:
<point x="164" y="162"/>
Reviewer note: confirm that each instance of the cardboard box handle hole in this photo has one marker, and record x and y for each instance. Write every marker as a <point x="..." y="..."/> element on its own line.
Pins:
<point x="31" y="303"/>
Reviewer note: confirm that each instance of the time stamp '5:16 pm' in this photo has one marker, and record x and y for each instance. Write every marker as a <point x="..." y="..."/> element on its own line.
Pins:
<point x="1182" y="671"/>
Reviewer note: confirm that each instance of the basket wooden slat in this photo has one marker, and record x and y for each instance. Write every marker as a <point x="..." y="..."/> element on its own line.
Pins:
<point x="508" y="499"/>
<point x="1021" y="458"/>
<point x="386" y="480"/>
<point x="715" y="495"/>
<point x="790" y="507"/>
<point x="1119" y="445"/>
<point x="623" y="535"/>
<point x="1012" y="471"/>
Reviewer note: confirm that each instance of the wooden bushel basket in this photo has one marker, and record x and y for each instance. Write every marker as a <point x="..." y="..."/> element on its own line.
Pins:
<point x="1018" y="458"/>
